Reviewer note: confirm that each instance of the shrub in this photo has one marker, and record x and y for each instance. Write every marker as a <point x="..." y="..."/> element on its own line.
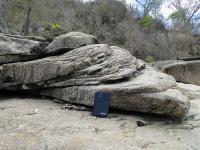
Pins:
<point x="147" y="21"/>
<point x="149" y="59"/>
<point x="52" y="31"/>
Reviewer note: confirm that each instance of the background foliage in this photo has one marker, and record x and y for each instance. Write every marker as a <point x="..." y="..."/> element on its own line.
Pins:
<point x="142" y="29"/>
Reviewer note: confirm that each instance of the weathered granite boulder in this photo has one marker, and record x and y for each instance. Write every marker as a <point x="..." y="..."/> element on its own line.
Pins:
<point x="76" y="75"/>
<point x="17" y="48"/>
<point x="69" y="41"/>
<point x="183" y="71"/>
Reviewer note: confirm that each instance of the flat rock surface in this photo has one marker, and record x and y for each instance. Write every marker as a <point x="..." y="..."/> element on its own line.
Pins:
<point x="35" y="124"/>
<point x="193" y="91"/>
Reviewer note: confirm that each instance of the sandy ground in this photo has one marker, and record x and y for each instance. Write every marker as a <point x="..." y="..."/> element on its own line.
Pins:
<point x="41" y="124"/>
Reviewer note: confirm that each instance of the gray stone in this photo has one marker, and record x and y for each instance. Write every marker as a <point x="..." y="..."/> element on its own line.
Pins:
<point x="183" y="71"/>
<point x="17" y="49"/>
<point x="34" y="38"/>
<point x="69" y="41"/>
<point x="93" y="63"/>
<point x="151" y="92"/>
<point x="76" y="75"/>
<point x="192" y="91"/>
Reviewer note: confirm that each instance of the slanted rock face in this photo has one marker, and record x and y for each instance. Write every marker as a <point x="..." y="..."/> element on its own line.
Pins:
<point x="183" y="71"/>
<point x="76" y="75"/>
<point x="16" y="48"/>
<point x="69" y="41"/>
<point x="93" y="63"/>
<point x="151" y="92"/>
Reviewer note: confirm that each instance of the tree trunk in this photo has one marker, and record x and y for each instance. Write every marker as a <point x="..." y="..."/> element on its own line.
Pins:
<point x="27" y="21"/>
<point x="3" y="13"/>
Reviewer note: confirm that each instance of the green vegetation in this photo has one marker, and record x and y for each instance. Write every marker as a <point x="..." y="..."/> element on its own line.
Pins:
<point x="52" y="31"/>
<point x="147" y="21"/>
<point x="149" y="59"/>
<point x="178" y="15"/>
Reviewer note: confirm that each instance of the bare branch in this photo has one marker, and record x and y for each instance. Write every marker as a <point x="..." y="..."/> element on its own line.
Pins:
<point x="138" y="1"/>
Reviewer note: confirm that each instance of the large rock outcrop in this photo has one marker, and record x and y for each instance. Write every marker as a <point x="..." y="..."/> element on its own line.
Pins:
<point x="151" y="92"/>
<point x="77" y="74"/>
<point x="183" y="71"/>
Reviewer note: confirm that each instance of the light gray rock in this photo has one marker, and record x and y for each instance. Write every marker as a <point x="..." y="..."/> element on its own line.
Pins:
<point x="183" y="71"/>
<point x="193" y="91"/>
<point x="76" y="75"/>
<point x="34" y="38"/>
<point x="17" y="49"/>
<point x="93" y="63"/>
<point x="151" y="92"/>
<point x="160" y="65"/>
<point x="69" y="41"/>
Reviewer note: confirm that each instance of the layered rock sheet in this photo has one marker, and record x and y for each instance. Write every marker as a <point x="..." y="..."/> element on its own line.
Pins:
<point x="183" y="71"/>
<point x="75" y="74"/>
<point x="17" y="49"/>
<point x="150" y="92"/>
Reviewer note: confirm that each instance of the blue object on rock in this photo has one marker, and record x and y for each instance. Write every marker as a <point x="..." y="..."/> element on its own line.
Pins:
<point x="101" y="104"/>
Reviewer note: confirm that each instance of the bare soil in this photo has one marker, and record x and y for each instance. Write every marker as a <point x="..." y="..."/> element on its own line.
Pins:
<point x="41" y="124"/>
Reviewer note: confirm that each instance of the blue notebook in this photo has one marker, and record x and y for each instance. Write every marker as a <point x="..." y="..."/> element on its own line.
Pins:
<point x="101" y="104"/>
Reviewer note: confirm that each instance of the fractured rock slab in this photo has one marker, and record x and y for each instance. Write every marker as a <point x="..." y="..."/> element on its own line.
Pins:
<point x="17" y="49"/>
